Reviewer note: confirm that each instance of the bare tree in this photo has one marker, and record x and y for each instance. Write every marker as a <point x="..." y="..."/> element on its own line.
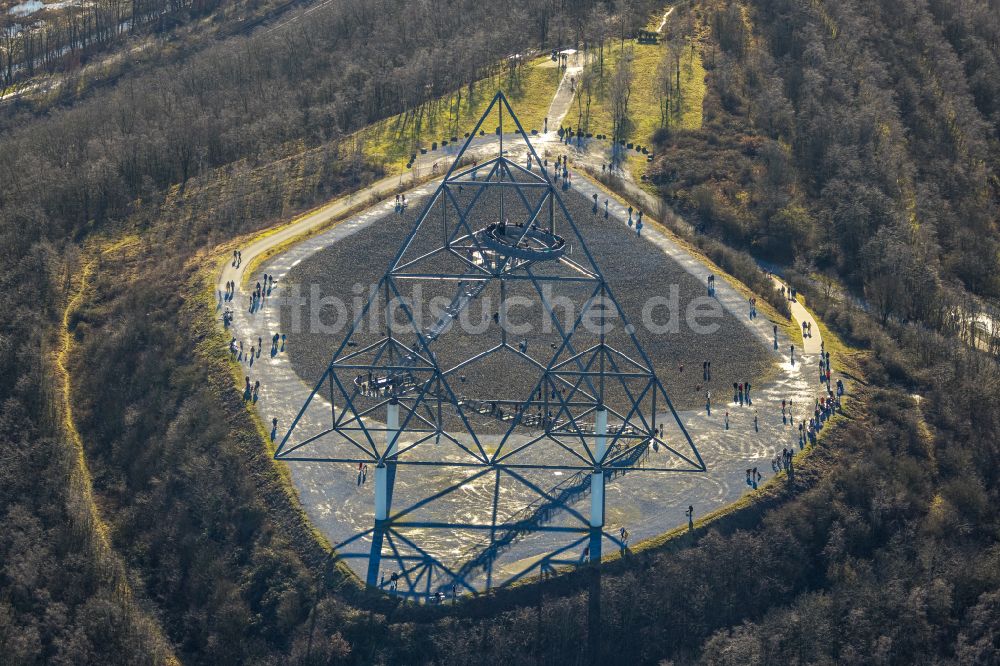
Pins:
<point x="599" y="25"/>
<point x="624" y="11"/>
<point x="665" y="90"/>
<point x="584" y="97"/>
<point x="621" y="91"/>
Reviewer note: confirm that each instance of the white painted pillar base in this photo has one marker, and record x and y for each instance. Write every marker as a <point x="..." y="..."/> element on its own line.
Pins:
<point x="381" y="492"/>
<point x="382" y="471"/>
<point x="597" y="478"/>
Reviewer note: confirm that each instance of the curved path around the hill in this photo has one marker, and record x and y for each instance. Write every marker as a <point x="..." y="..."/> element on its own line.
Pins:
<point x="431" y="551"/>
<point x="648" y="504"/>
<point x="813" y="344"/>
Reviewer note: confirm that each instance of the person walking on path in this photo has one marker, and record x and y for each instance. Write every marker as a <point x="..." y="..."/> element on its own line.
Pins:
<point x="690" y="516"/>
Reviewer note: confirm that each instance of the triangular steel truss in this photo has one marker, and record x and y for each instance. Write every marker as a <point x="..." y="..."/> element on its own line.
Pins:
<point x="528" y="245"/>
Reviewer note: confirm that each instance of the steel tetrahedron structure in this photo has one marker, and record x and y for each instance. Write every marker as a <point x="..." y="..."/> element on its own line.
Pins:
<point x="548" y="375"/>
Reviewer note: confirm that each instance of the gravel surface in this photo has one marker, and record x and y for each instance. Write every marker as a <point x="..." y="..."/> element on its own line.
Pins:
<point x="635" y="270"/>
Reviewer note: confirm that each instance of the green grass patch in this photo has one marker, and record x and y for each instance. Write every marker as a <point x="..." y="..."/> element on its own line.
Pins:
<point x="644" y="103"/>
<point x="393" y="140"/>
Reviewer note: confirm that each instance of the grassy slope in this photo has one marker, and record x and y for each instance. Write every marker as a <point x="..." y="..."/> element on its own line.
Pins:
<point x="394" y="139"/>
<point x="644" y="108"/>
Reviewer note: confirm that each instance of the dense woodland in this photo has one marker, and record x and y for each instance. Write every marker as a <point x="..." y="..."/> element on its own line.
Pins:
<point x="854" y="142"/>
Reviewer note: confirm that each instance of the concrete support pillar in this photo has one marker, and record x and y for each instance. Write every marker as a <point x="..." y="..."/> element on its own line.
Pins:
<point x="382" y="490"/>
<point x="597" y="479"/>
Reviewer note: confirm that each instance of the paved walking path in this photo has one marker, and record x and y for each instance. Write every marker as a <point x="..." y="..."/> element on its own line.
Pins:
<point x="454" y="526"/>
<point x="482" y="551"/>
<point x="809" y="345"/>
<point x="663" y="23"/>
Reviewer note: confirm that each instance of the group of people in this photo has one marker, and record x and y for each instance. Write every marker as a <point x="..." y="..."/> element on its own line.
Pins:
<point x="824" y="408"/>
<point x="741" y="397"/>
<point x="824" y="366"/>
<point x="782" y="461"/>
<point x="261" y="291"/>
<point x="637" y="220"/>
<point x="562" y="169"/>
<point x="401" y="203"/>
<point x="741" y="394"/>
<point x="393" y="581"/>
<point x="786" y="412"/>
<point x="230" y="294"/>
<point x="251" y="393"/>
<point x="435" y="598"/>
